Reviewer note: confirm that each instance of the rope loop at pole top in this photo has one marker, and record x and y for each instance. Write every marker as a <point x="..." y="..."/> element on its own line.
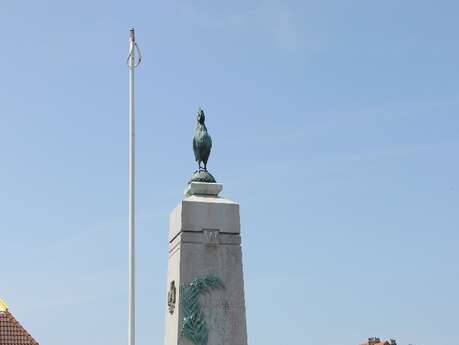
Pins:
<point x="131" y="52"/>
<point x="136" y="64"/>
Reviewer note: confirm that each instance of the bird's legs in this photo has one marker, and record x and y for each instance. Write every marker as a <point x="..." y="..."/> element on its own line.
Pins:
<point x="200" y="168"/>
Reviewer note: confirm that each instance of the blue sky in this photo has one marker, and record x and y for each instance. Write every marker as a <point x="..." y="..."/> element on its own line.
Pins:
<point x="335" y="126"/>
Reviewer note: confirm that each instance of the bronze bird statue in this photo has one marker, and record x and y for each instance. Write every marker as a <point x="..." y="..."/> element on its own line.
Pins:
<point x="202" y="142"/>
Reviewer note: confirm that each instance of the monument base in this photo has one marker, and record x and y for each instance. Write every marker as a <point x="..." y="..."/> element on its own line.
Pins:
<point x="205" y="278"/>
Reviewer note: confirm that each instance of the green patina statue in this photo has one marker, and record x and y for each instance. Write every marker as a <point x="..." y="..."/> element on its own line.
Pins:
<point x="202" y="145"/>
<point x="202" y="142"/>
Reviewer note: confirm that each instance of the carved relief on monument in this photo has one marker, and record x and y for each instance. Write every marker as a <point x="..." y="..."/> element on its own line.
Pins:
<point x="171" y="297"/>
<point x="211" y="237"/>
<point x="193" y="325"/>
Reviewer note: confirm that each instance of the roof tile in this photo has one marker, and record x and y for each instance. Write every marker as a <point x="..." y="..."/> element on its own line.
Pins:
<point x="11" y="331"/>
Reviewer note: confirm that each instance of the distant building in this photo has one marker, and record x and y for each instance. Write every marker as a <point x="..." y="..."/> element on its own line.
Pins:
<point x="377" y="341"/>
<point x="11" y="331"/>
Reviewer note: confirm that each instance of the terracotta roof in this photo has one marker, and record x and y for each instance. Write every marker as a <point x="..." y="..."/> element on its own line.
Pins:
<point x="11" y="331"/>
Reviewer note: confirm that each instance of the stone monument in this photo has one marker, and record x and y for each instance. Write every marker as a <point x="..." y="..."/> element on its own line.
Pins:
<point x="205" y="298"/>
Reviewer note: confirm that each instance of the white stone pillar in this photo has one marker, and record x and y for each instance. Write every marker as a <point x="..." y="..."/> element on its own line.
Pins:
<point x="205" y="249"/>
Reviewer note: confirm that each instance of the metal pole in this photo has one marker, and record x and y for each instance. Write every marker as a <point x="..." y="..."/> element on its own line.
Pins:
<point x="131" y="307"/>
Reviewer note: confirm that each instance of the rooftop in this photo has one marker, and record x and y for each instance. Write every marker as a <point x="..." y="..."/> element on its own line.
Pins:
<point x="11" y="331"/>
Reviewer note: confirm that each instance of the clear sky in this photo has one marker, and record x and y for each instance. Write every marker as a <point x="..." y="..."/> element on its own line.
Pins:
<point x="335" y="126"/>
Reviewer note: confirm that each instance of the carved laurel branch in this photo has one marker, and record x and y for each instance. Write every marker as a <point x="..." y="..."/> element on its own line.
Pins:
<point x="193" y="324"/>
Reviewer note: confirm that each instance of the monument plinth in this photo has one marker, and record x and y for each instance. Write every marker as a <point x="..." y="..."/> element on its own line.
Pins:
<point x="205" y="279"/>
<point x="203" y="189"/>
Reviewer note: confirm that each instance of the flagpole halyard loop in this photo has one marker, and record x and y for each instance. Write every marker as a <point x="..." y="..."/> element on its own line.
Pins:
<point x="136" y="64"/>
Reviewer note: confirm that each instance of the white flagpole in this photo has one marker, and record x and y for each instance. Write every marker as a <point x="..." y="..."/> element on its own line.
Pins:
<point x="132" y="64"/>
